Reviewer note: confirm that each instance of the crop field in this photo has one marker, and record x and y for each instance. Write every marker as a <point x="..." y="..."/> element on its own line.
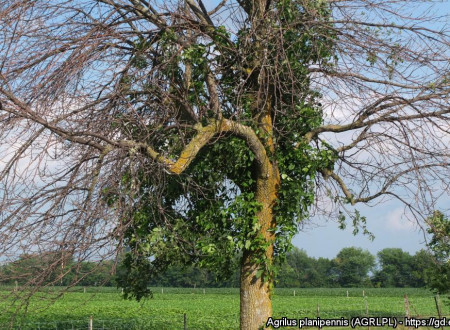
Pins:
<point x="209" y="308"/>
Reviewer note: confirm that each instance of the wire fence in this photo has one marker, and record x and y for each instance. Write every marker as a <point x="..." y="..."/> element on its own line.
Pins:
<point x="231" y="321"/>
<point x="289" y="303"/>
<point x="181" y="321"/>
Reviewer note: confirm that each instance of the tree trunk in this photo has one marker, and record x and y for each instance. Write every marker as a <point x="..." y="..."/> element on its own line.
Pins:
<point x="255" y="296"/>
<point x="256" y="293"/>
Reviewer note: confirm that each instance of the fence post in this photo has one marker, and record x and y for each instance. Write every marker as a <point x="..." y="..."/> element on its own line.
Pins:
<point x="438" y="307"/>
<point x="347" y="293"/>
<point x="318" y="314"/>
<point x="294" y="293"/>
<point x="407" y="312"/>
<point x="91" y="323"/>
<point x="185" y="322"/>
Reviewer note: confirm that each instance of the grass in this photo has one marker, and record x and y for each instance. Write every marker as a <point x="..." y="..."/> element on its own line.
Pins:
<point x="214" y="309"/>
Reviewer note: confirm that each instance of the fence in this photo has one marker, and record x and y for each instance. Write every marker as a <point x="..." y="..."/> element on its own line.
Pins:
<point x="182" y="321"/>
<point x="290" y="303"/>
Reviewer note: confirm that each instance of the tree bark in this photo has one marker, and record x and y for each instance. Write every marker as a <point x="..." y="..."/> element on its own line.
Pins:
<point x="255" y="296"/>
<point x="256" y="293"/>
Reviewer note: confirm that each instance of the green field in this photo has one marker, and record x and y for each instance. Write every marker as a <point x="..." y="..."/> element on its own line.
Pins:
<point x="209" y="309"/>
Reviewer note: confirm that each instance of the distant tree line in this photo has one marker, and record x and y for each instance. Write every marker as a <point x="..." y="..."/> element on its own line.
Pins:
<point x="352" y="267"/>
<point x="355" y="267"/>
<point x="53" y="268"/>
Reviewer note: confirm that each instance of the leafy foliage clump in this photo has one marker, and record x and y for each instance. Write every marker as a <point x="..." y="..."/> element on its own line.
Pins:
<point x="439" y="228"/>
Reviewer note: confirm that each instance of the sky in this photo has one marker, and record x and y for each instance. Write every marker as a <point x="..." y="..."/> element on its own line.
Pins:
<point x="323" y="238"/>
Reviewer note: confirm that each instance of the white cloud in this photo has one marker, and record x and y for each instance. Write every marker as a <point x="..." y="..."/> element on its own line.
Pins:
<point x="396" y="220"/>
